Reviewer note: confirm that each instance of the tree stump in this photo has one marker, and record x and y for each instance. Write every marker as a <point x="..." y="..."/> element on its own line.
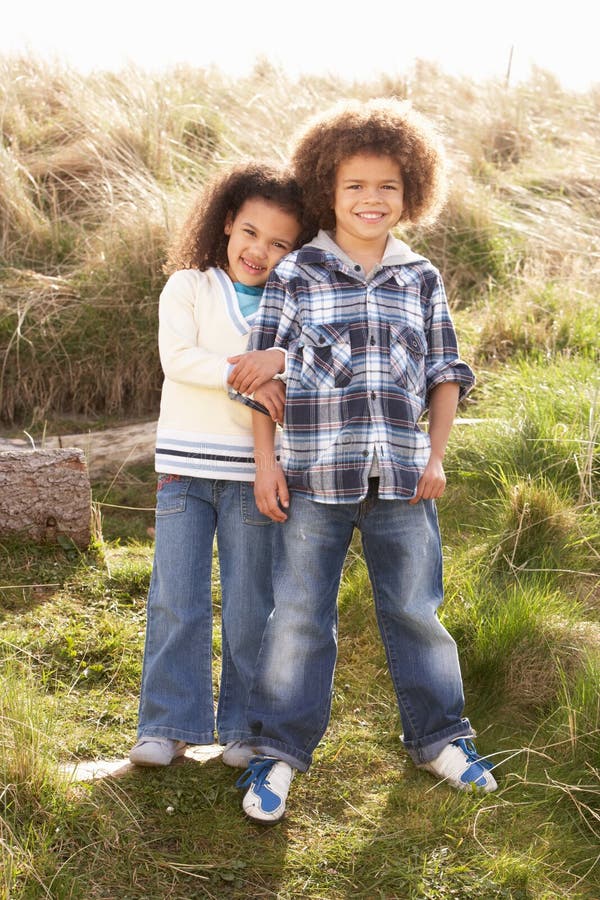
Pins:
<point x="45" y="495"/>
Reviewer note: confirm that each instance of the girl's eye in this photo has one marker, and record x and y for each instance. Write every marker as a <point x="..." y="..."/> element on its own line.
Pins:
<point x="250" y="232"/>
<point x="279" y="246"/>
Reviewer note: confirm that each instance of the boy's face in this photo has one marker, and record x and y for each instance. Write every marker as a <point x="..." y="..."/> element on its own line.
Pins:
<point x="368" y="199"/>
<point x="259" y="236"/>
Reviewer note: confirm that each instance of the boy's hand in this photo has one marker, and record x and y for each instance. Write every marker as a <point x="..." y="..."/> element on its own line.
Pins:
<point x="255" y="368"/>
<point x="272" y="396"/>
<point x="271" y="492"/>
<point x="432" y="482"/>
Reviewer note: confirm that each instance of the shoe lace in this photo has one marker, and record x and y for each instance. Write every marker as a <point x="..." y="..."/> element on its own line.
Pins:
<point x="470" y="751"/>
<point x="257" y="772"/>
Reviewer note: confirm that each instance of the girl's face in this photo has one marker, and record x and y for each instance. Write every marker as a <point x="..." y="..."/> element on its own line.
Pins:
<point x="368" y="199"/>
<point x="259" y="235"/>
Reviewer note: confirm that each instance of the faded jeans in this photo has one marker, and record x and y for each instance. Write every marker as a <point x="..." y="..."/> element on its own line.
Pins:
<point x="177" y="689"/>
<point x="290" y="701"/>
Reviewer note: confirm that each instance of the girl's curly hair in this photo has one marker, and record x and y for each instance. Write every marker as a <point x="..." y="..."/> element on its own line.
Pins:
<point x="202" y="242"/>
<point x="384" y="127"/>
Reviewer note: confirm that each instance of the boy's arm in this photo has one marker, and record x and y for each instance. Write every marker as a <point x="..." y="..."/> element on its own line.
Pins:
<point x="443" y="401"/>
<point x="442" y="361"/>
<point x="270" y="486"/>
<point x="270" y="332"/>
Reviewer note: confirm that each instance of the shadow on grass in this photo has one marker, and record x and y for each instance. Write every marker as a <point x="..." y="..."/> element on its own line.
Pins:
<point x="175" y="832"/>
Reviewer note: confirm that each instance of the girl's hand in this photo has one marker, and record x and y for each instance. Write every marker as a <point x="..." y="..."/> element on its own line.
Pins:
<point x="272" y="396"/>
<point x="432" y="482"/>
<point x="254" y="368"/>
<point x="271" y="492"/>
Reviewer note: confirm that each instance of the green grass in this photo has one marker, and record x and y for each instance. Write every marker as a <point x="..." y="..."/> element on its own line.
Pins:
<point x="96" y="175"/>
<point x="364" y="822"/>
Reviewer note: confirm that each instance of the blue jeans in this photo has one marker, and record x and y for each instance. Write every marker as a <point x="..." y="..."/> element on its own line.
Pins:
<point x="177" y="693"/>
<point x="290" y="701"/>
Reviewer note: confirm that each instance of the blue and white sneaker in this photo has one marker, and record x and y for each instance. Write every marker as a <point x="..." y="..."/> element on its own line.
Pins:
<point x="462" y="767"/>
<point x="268" y="781"/>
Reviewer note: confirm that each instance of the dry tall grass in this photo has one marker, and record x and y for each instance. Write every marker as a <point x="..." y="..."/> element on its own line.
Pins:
<point x="96" y="173"/>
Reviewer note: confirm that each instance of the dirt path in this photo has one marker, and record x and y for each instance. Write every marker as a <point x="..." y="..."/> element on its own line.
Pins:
<point x="105" y="451"/>
<point x="93" y="769"/>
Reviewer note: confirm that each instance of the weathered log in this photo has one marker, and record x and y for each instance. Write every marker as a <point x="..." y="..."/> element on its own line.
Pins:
<point x="45" y="494"/>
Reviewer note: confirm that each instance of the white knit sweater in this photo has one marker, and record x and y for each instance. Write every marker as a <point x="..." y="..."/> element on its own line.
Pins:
<point x="201" y="431"/>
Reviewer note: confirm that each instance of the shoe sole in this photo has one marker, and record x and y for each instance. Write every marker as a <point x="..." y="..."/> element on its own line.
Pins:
<point x="261" y="821"/>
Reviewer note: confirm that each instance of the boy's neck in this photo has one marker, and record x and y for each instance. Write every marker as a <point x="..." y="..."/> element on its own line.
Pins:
<point x="367" y="253"/>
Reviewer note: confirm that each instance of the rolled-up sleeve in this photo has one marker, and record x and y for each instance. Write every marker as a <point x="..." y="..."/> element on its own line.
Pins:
<point x="443" y="362"/>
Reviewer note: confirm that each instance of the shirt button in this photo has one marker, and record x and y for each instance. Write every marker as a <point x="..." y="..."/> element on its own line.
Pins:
<point x="357" y="268"/>
<point x="321" y="340"/>
<point x="373" y="395"/>
<point x="372" y="340"/>
<point x="365" y="452"/>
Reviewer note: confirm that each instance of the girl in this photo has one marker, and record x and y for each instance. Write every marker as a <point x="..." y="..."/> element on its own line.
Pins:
<point x="241" y="226"/>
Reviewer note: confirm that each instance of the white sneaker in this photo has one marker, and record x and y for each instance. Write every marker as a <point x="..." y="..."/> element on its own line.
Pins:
<point x="268" y="781"/>
<point x="461" y="766"/>
<point x="237" y="754"/>
<point x="156" y="751"/>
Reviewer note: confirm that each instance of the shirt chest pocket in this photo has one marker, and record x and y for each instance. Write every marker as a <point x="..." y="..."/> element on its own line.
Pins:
<point x="407" y="358"/>
<point x="326" y="357"/>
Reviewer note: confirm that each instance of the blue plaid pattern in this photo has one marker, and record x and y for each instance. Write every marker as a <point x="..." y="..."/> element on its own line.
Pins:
<point x="363" y="355"/>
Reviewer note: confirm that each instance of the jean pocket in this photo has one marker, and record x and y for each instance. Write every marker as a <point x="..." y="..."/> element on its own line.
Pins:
<point x="171" y="494"/>
<point x="407" y="357"/>
<point x="251" y="515"/>
<point x="326" y="357"/>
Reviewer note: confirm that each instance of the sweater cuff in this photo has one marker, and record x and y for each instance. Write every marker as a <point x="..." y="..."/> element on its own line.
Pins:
<point x="229" y="367"/>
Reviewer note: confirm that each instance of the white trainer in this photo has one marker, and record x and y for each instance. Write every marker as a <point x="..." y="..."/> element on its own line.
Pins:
<point x="268" y="781"/>
<point x="156" y="751"/>
<point x="460" y="765"/>
<point x="237" y="754"/>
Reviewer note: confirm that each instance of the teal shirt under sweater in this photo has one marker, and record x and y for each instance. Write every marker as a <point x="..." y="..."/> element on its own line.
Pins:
<point x="248" y="297"/>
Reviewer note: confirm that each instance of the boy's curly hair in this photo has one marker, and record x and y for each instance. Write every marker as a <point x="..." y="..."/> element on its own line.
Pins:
<point x="384" y="127"/>
<point x="202" y="241"/>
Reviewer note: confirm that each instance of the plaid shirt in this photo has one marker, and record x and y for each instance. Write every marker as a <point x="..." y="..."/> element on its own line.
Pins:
<point x="363" y="353"/>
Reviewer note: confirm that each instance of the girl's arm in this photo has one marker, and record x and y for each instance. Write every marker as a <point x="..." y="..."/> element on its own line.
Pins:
<point x="443" y="401"/>
<point x="270" y="486"/>
<point x="181" y="358"/>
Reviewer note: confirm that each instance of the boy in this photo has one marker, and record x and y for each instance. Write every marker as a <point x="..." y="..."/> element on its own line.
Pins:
<point x="370" y="345"/>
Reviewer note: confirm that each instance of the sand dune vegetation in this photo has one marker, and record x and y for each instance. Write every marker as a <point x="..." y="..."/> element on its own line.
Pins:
<point x="96" y="175"/>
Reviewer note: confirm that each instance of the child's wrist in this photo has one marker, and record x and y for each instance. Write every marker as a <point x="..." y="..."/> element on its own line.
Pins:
<point x="265" y="460"/>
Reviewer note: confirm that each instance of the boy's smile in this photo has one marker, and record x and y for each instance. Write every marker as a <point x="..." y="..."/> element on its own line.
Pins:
<point x="368" y="202"/>
<point x="259" y="236"/>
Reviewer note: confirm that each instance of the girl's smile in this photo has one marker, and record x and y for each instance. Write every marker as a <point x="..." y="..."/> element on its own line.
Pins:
<point x="259" y="236"/>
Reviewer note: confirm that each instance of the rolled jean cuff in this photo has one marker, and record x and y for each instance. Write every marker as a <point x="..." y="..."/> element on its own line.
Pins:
<point x="297" y="759"/>
<point x="425" y="749"/>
